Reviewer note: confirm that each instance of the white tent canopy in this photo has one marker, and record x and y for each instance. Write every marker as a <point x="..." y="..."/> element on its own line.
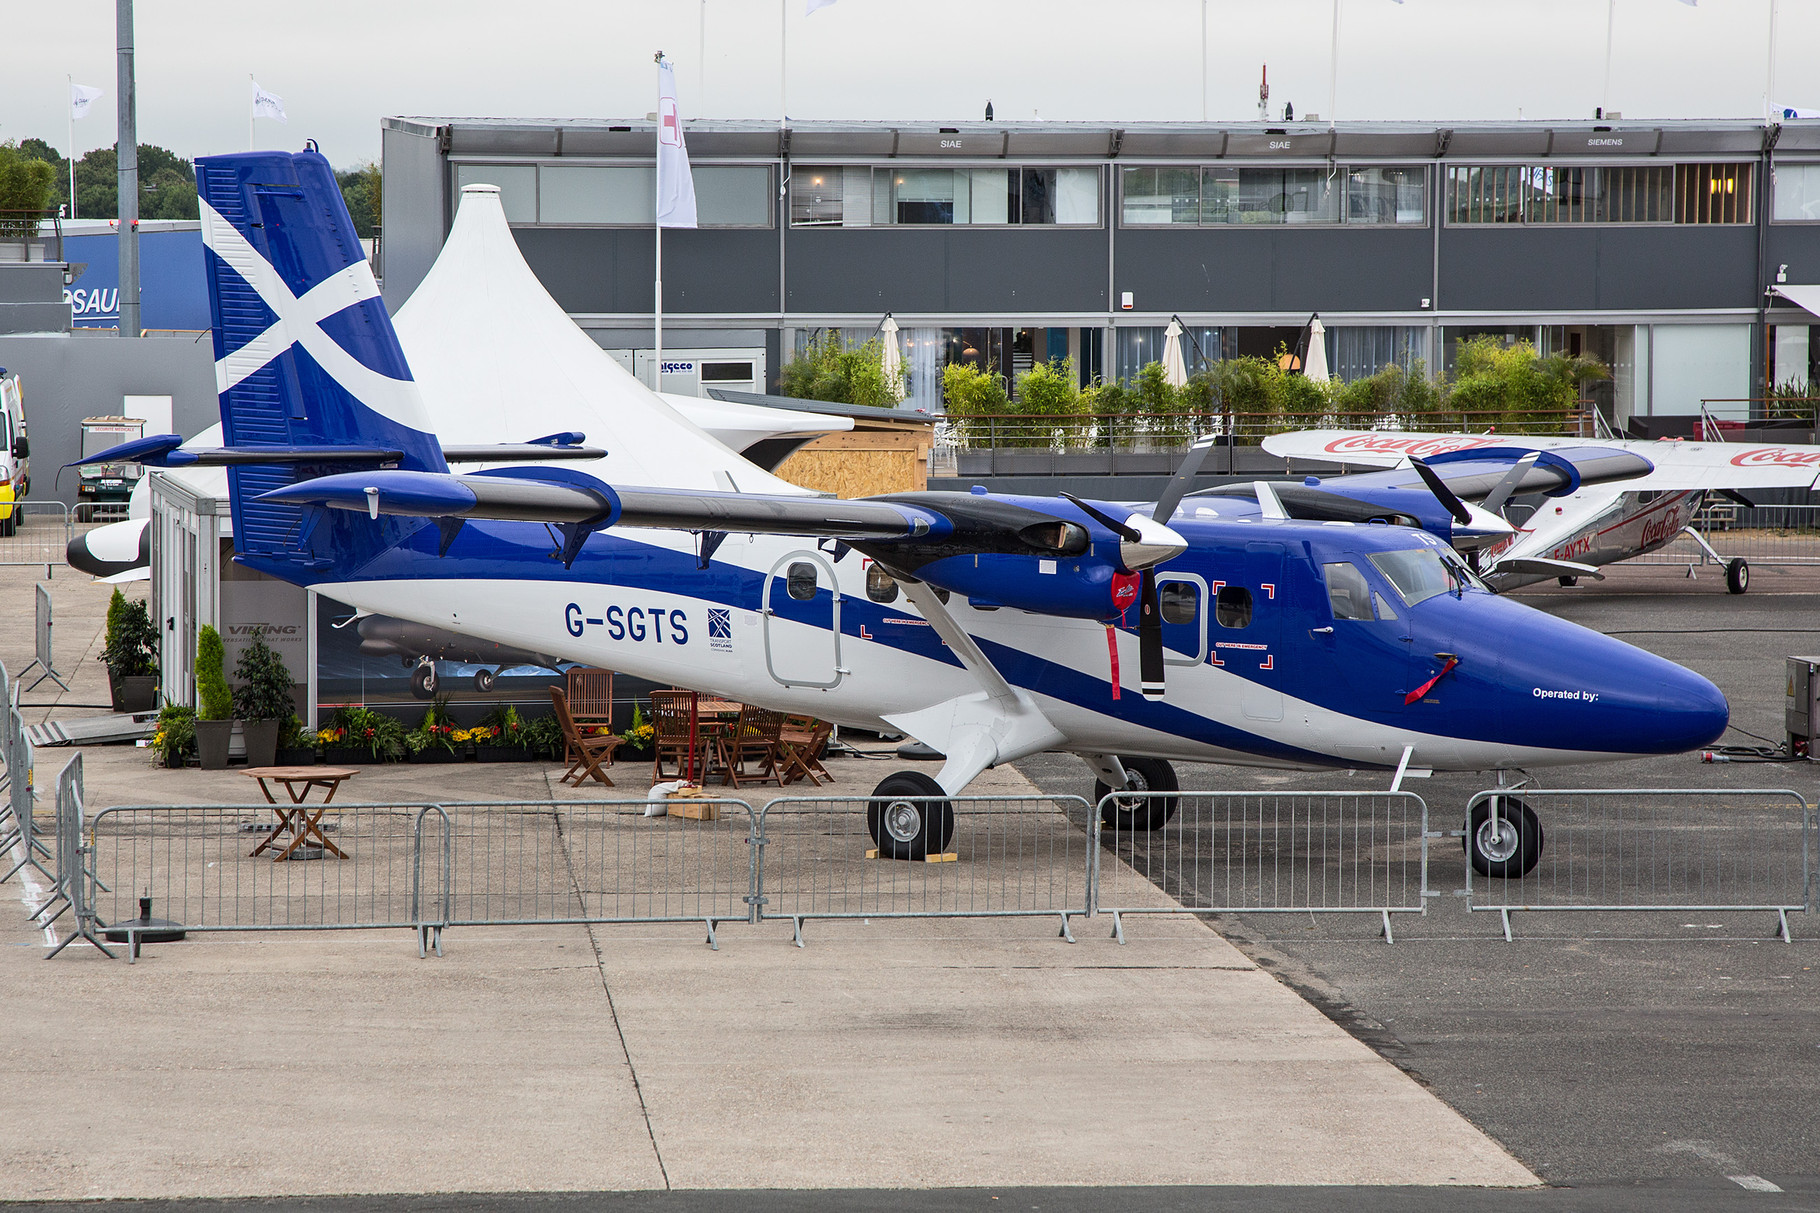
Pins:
<point x="498" y="360"/>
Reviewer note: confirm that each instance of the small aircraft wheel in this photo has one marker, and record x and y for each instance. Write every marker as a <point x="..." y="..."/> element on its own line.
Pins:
<point x="1508" y="846"/>
<point x="1568" y="583"/>
<point x="423" y="680"/>
<point x="1737" y="576"/>
<point x="1129" y="813"/>
<point x="484" y="680"/>
<point x="909" y="817"/>
<point x="9" y="526"/>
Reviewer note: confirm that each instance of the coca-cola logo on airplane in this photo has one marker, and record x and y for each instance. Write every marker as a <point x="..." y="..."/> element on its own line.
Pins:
<point x="1779" y="455"/>
<point x="1379" y="444"/>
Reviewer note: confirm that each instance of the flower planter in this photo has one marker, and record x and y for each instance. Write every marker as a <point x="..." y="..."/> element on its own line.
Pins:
<point x="345" y="756"/>
<point x="436" y="754"/>
<point x="132" y="692"/>
<point x="212" y="743"/>
<point x="294" y="757"/>
<point x="261" y="738"/>
<point x="504" y="753"/>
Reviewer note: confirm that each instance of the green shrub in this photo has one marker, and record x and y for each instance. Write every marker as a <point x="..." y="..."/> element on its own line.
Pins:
<point x="211" y="684"/>
<point x="131" y="647"/>
<point x="363" y="728"/>
<point x="265" y="690"/>
<point x="827" y="371"/>
<point x="1049" y="394"/>
<point x="543" y="735"/>
<point x="970" y="394"/>
<point x="175" y="737"/>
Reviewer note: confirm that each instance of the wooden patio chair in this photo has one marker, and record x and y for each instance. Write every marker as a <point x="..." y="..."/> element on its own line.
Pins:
<point x="590" y="749"/>
<point x="670" y="733"/>
<point x="753" y="739"/>
<point x="590" y="695"/>
<point x="799" y="746"/>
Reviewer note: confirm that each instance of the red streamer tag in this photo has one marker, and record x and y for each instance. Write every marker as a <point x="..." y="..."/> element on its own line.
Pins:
<point x="1112" y="647"/>
<point x="1430" y="684"/>
<point x="1124" y="591"/>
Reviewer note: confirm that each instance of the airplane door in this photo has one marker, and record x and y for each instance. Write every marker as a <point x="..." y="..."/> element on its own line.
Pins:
<point x="1246" y="625"/>
<point x="1182" y="602"/>
<point x="802" y="622"/>
<point x="1366" y="639"/>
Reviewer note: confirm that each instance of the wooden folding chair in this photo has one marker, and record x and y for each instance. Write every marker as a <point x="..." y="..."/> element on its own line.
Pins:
<point x="671" y="734"/>
<point x="799" y="746"/>
<point x="590" y="749"/>
<point x="590" y="694"/>
<point x="754" y="738"/>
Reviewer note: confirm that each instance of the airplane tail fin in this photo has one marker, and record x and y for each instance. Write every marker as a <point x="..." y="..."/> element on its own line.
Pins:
<point x="305" y="358"/>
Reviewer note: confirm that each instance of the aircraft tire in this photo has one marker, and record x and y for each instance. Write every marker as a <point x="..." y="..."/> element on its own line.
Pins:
<point x="423" y="681"/>
<point x="1513" y="849"/>
<point x="909" y="817"/>
<point x="1148" y="813"/>
<point x="1567" y="583"/>
<point x="484" y="680"/>
<point x="1737" y="576"/>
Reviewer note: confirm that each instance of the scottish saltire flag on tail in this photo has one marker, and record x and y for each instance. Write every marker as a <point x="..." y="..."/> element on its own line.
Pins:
<point x="81" y="97"/>
<point x="268" y="105"/>
<point x="675" y="186"/>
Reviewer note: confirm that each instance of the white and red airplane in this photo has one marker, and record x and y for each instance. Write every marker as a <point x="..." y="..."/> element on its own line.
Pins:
<point x="1581" y="524"/>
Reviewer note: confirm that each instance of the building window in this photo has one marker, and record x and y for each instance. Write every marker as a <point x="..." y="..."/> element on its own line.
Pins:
<point x="612" y="194"/>
<point x="1222" y="195"/>
<point x="733" y="195"/>
<point x="837" y="196"/>
<point x="621" y="195"/>
<point x="1797" y="193"/>
<point x="517" y="187"/>
<point x="1552" y="194"/>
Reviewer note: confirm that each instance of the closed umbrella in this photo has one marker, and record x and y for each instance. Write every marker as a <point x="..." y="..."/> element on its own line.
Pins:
<point x="1175" y="371"/>
<point x="1315" y="365"/>
<point x="894" y="358"/>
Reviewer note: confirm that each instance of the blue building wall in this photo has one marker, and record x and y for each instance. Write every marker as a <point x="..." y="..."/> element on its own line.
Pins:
<point x="172" y="291"/>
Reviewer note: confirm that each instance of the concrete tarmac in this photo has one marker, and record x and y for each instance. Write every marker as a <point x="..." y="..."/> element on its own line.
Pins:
<point x="884" y="1055"/>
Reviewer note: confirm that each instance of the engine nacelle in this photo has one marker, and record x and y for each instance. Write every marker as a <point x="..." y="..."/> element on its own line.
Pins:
<point x="1091" y="585"/>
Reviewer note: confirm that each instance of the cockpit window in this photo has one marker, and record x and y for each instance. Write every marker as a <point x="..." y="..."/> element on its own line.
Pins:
<point x="1347" y="592"/>
<point x="1421" y="573"/>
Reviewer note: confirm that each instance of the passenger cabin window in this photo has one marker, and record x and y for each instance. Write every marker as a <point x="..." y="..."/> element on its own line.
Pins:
<point x="802" y="580"/>
<point x="1180" y="601"/>
<point x="1347" y="592"/>
<point x="1233" y="607"/>
<point x="880" y="585"/>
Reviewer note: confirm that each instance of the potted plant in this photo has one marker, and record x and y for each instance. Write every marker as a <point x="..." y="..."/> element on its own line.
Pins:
<point x="500" y="736"/>
<point x="131" y="654"/>
<point x="175" y="735"/>
<point x="436" y="739"/>
<point x="263" y="701"/>
<point x="296" y="748"/>
<point x="357" y="734"/>
<point x="542" y="736"/>
<point x="637" y="737"/>
<point x="215" y="711"/>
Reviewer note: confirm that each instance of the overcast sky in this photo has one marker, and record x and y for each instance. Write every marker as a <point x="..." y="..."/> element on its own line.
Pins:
<point x="340" y="66"/>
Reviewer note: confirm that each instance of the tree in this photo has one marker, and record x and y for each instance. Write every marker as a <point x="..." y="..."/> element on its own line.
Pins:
<point x="1517" y="389"/>
<point x="826" y="371"/>
<point x="360" y="190"/>
<point x="971" y="393"/>
<point x="27" y="185"/>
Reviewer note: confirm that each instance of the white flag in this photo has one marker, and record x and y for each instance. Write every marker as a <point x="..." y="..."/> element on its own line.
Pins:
<point x="675" y="187"/>
<point x="267" y="105"/>
<point x="81" y="95"/>
<point x="811" y="6"/>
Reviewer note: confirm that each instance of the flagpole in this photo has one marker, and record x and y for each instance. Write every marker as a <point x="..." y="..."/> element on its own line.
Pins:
<point x="1769" y="68"/>
<point x="72" y="84"/>
<point x="783" y="62"/>
<point x="1611" y="16"/>
<point x="1333" y="67"/>
<point x="252" y="112"/>
<point x="657" y="203"/>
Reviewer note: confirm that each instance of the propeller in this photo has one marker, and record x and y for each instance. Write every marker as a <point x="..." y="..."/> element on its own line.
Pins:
<point x="1442" y="493"/>
<point x="1500" y="493"/>
<point x="1178" y="484"/>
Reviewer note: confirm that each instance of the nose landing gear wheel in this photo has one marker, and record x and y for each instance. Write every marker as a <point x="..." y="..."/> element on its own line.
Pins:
<point x="484" y="680"/>
<point x="1130" y="813"/>
<point x="1506" y="846"/>
<point x="1737" y="576"/>
<point x="909" y="817"/>
<point x="423" y="680"/>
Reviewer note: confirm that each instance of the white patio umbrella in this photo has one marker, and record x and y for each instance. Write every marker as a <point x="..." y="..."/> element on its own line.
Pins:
<point x="1175" y="370"/>
<point x="894" y="357"/>
<point x="1315" y="365"/>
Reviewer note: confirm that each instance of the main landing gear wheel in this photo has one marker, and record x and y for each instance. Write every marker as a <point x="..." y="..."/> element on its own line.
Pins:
<point x="1567" y="583"/>
<point x="484" y="680"/>
<point x="423" y="680"/>
<point x="1737" y="576"/>
<point x="909" y="817"/>
<point x="1129" y="813"/>
<point x="1508" y="846"/>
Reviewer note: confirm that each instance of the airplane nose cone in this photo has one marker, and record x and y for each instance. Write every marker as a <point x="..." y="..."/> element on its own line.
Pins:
<point x="1692" y="712"/>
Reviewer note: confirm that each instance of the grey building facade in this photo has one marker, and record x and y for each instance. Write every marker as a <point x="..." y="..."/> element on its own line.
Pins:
<point x="1652" y="246"/>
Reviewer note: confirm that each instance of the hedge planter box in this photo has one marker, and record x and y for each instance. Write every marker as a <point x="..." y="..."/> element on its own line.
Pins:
<point x="296" y="757"/>
<point x="438" y="754"/>
<point x="134" y="692"/>
<point x="504" y="753"/>
<point x="345" y="756"/>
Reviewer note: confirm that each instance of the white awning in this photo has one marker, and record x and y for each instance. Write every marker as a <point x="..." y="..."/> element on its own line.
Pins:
<point x="1805" y="297"/>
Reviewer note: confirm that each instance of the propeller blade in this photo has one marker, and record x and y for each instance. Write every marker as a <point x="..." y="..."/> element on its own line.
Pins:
<point x="1500" y="493"/>
<point x="1123" y="530"/>
<point x="1740" y="498"/>
<point x="1442" y="493"/>
<point x="1150" y="638"/>
<point x="1269" y="504"/>
<point x="1177" y="488"/>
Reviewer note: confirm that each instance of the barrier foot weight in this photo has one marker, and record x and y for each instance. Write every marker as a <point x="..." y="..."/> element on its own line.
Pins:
<point x="713" y="942"/>
<point x="1065" y="932"/>
<point x="1388" y="937"/>
<point x="797" y="925"/>
<point x="1505" y="915"/>
<point x="1118" y="927"/>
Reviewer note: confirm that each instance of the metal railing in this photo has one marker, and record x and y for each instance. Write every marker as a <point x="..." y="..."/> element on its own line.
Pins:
<point x="1165" y="431"/>
<point x="1262" y="853"/>
<point x="1630" y="849"/>
<point x="25" y="229"/>
<point x="1769" y="535"/>
<point x="1005" y="856"/>
<point x="40" y="534"/>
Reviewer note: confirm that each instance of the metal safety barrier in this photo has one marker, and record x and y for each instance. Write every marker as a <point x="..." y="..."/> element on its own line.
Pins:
<point x="22" y="851"/>
<point x="88" y="515"/>
<point x="38" y="532"/>
<point x="1774" y="536"/>
<point x="1004" y="856"/>
<point x="594" y="861"/>
<point x="1679" y="849"/>
<point x="1261" y="853"/>
<point x="242" y="868"/>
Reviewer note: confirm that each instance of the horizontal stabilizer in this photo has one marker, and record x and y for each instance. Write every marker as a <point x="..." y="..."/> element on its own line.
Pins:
<point x="519" y="452"/>
<point x="1543" y="567"/>
<point x="446" y="495"/>
<point x="162" y="451"/>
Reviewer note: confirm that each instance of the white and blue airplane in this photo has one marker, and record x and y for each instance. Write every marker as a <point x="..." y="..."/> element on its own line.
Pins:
<point x="988" y="626"/>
